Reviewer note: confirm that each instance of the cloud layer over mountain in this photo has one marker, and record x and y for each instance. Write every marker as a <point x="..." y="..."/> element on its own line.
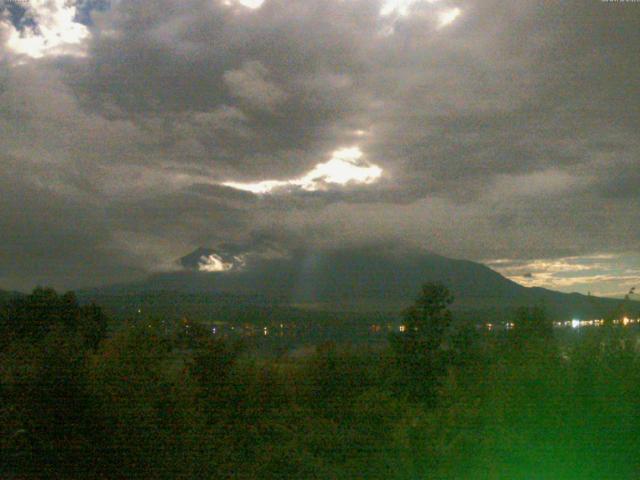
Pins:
<point x="478" y="129"/>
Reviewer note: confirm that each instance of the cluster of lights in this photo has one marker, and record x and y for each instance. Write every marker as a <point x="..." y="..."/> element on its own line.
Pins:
<point x="576" y="323"/>
<point x="626" y="321"/>
<point x="388" y="327"/>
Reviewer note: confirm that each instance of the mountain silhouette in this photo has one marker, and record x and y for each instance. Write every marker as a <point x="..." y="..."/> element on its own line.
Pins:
<point x="372" y="279"/>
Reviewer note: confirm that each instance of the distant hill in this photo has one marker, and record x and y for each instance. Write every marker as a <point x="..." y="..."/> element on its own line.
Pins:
<point x="347" y="280"/>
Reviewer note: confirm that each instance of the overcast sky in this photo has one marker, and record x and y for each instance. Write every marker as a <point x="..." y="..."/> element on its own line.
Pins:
<point x="133" y="132"/>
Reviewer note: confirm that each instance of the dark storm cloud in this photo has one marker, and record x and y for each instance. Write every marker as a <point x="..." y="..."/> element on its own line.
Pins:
<point x="48" y="237"/>
<point x="249" y="87"/>
<point x="510" y="133"/>
<point x="522" y="87"/>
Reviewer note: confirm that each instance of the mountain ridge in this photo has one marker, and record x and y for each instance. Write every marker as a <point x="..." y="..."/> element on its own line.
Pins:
<point x="357" y="280"/>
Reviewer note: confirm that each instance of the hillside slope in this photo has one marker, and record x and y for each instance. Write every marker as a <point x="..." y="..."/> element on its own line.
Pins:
<point x="346" y="280"/>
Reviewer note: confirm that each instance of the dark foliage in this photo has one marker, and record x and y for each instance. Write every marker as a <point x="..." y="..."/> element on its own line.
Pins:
<point x="32" y="317"/>
<point x="420" y="350"/>
<point x="154" y="401"/>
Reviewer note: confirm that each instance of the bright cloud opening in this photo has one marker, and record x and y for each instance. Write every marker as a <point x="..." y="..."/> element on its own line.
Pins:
<point x="344" y="167"/>
<point x="394" y="10"/>
<point x="56" y="32"/>
<point x="602" y="274"/>
<point x="447" y="17"/>
<point x="252" y="4"/>
<point x="341" y="169"/>
<point x="401" y="8"/>
<point x="213" y="263"/>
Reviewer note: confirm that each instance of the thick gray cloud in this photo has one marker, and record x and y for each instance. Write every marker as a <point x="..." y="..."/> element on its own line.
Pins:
<point x="509" y="133"/>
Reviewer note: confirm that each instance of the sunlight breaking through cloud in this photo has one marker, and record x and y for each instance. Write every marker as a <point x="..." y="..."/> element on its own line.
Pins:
<point x="603" y="274"/>
<point x="394" y="10"/>
<point x="344" y="167"/>
<point x="251" y="4"/>
<point x="401" y="7"/>
<point x="56" y="31"/>
<point x="213" y="263"/>
<point x="447" y="17"/>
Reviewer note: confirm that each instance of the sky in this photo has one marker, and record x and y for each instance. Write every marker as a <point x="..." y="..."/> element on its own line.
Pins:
<point x="134" y="133"/>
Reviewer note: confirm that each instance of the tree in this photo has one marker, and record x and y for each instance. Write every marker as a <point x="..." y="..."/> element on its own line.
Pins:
<point x="420" y="351"/>
<point x="92" y="325"/>
<point x="131" y="394"/>
<point x="211" y="367"/>
<point x="532" y="324"/>
<point x="43" y="400"/>
<point x="44" y="339"/>
<point x="32" y="317"/>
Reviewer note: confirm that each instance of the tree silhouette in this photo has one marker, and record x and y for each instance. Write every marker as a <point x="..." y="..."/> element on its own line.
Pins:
<point x="32" y="317"/>
<point x="420" y="351"/>
<point x="533" y="324"/>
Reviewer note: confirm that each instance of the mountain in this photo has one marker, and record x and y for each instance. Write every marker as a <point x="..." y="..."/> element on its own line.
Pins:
<point x="354" y="280"/>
